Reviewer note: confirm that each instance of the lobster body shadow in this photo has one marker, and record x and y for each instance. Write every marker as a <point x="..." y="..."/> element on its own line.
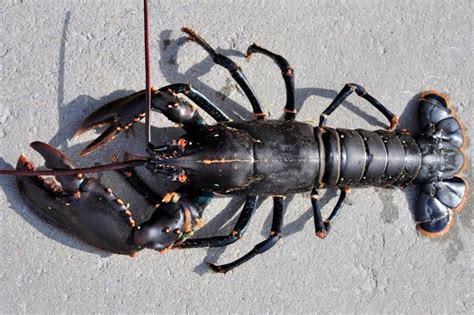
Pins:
<point x="255" y="158"/>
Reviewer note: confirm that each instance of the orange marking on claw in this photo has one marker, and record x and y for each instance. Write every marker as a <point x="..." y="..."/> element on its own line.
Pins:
<point x="23" y="159"/>
<point x="171" y="197"/>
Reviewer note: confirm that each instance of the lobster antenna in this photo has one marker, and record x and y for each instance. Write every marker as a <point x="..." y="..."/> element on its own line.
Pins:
<point x="147" y="73"/>
<point x="75" y="171"/>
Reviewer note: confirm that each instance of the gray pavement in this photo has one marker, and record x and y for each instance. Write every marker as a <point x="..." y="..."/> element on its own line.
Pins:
<point x="62" y="59"/>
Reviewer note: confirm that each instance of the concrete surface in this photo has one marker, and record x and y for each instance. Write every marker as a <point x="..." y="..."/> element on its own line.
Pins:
<point x="62" y="59"/>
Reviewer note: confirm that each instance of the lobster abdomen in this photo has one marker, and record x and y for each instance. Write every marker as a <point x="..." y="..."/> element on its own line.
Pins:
<point x="362" y="157"/>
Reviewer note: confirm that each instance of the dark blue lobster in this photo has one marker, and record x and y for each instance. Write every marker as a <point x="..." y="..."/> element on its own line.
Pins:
<point x="252" y="158"/>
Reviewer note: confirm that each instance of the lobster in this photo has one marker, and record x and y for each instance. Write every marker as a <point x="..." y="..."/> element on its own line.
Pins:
<point x="255" y="158"/>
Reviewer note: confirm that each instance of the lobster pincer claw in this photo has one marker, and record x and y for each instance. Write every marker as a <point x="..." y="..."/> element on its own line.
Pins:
<point x="80" y="205"/>
<point x="118" y="115"/>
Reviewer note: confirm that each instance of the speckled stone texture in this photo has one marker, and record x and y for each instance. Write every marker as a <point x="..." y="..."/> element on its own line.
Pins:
<point x="60" y="60"/>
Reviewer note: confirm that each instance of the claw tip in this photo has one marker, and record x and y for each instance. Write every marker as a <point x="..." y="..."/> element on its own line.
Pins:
<point x="22" y="158"/>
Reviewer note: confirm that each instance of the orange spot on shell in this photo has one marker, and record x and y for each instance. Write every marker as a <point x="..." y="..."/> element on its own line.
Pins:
<point x="182" y="143"/>
<point x="182" y="178"/>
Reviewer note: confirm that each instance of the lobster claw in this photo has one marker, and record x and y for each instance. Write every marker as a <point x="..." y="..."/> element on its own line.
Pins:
<point x="119" y="115"/>
<point x="80" y="205"/>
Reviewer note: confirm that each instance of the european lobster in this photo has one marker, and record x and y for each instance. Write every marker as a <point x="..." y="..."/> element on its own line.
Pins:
<point x="252" y="158"/>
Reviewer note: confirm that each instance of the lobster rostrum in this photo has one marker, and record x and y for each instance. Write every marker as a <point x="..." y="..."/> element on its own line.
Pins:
<point x="252" y="158"/>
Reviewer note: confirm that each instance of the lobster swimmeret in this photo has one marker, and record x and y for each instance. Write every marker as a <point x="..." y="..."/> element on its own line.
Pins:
<point x="252" y="158"/>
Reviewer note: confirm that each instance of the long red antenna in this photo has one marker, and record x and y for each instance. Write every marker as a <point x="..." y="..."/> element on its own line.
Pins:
<point x="75" y="171"/>
<point x="147" y="73"/>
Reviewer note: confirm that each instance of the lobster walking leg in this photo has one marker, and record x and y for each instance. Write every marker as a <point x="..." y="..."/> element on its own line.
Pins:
<point x="319" y="227"/>
<point x="288" y="76"/>
<point x="234" y="70"/>
<point x="275" y="235"/>
<point x="347" y="90"/>
<point x="323" y="227"/>
<point x="236" y="233"/>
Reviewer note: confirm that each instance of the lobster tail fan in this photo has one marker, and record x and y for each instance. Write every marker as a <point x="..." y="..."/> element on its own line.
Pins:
<point x="443" y="192"/>
<point x="439" y="119"/>
<point x="436" y="204"/>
